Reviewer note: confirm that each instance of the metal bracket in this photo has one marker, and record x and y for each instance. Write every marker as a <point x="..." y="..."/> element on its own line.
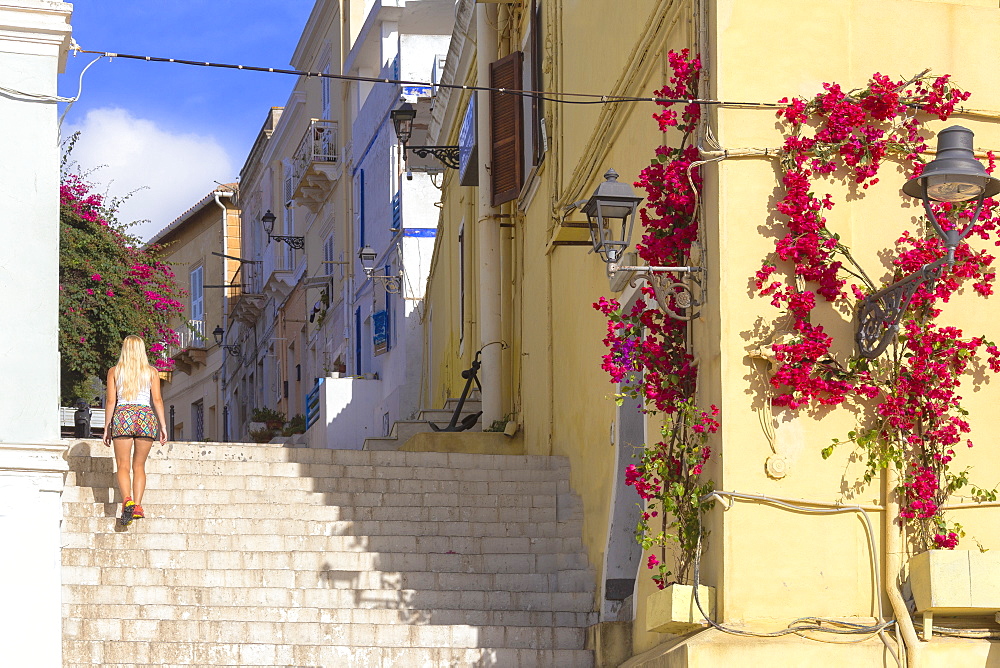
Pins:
<point x="447" y="155"/>
<point x="391" y="284"/>
<point x="879" y="314"/>
<point x="674" y="298"/>
<point x="294" y="242"/>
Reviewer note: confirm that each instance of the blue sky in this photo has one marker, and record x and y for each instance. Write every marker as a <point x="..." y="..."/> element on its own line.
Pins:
<point x="173" y="130"/>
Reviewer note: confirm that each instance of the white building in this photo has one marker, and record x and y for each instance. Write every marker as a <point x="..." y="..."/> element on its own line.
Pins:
<point x="313" y="332"/>
<point x="394" y="212"/>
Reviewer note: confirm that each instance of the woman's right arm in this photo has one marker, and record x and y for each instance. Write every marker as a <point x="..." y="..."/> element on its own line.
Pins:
<point x="110" y="401"/>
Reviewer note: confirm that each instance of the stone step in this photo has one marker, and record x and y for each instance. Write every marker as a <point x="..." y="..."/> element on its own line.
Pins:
<point x="455" y="463"/>
<point x="137" y="653"/>
<point x="382" y="444"/>
<point x="439" y="562"/>
<point x="321" y="597"/>
<point x="396" y="634"/>
<point x="293" y="500"/>
<point x="490" y="617"/>
<point x="565" y="581"/>
<point x="442" y="416"/>
<point x="474" y="399"/>
<point x="168" y="516"/>
<point x="160" y="481"/>
<point x="404" y="430"/>
<point x="105" y="465"/>
<point x="146" y="544"/>
<point x="308" y="470"/>
<point x="253" y="528"/>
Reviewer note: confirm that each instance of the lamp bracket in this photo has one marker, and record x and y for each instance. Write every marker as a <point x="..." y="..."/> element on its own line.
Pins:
<point x="677" y="299"/>
<point x="392" y="284"/>
<point x="447" y="155"/>
<point x="294" y="242"/>
<point x="233" y="349"/>
<point x="879" y="314"/>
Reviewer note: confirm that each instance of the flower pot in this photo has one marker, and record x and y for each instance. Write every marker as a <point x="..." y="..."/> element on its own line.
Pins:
<point x="955" y="582"/>
<point x="274" y="424"/>
<point x="673" y="610"/>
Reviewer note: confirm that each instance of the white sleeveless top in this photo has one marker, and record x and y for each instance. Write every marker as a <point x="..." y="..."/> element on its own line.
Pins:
<point x="141" y="399"/>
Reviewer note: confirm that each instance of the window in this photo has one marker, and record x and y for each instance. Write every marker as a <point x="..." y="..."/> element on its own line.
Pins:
<point x="325" y="92"/>
<point x="359" y="206"/>
<point x="539" y="142"/>
<point x="289" y="218"/>
<point x="329" y="252"/>
<point x="461" y="283"/>
<point x="198" y="420"/>
<point x="198" y="298"/>
<point x="506" y="129"/>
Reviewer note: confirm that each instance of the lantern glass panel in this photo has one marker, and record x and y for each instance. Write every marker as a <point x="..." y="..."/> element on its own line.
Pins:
<point x="954" y="188"/>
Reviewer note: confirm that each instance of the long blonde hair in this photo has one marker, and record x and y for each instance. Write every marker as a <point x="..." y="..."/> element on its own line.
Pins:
<point x="132" y="374"/>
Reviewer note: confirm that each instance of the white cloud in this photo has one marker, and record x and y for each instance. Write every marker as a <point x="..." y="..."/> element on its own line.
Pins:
<point x="174" y="170"/>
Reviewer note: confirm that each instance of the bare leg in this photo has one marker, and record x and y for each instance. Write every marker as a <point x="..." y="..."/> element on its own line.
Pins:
<point x="142" y="448"/>
<point x="123" y="462"/>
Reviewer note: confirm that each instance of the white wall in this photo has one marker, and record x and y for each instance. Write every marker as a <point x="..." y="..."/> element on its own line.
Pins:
<point x="33" y="46"/>
<point x="32" y="50"/>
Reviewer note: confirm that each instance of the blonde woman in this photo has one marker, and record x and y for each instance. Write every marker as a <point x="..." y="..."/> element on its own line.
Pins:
<point x="134" y="400"/>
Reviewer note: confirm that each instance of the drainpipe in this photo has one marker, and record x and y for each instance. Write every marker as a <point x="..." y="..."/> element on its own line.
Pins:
<point x="225" y="296"/>
<point x="488" y="228"/>
<point x="893" y="567"/>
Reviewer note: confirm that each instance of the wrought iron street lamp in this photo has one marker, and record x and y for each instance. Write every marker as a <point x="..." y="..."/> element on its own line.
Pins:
<point x="611" y="212"/>
<point x="953" y="176"/>
<point x="219" y="334"/>
<point x="402" y="121"/>
<point x="391" y="284"/>
<point x="267" y="220"/>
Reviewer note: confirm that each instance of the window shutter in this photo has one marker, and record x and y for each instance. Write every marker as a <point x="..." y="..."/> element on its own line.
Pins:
<point x="506" y="129"/>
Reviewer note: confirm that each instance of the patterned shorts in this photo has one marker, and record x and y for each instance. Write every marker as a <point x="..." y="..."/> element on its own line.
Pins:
<point x="135" y="421"/>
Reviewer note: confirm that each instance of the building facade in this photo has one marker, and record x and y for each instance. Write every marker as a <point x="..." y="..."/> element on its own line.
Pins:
<point x="201" y="247"/>
<point x="315" y="324"/>
<point x="512" y="263"/>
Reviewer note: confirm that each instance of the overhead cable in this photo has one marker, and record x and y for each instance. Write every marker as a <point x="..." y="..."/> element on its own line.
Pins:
<point x="559" y="97"/>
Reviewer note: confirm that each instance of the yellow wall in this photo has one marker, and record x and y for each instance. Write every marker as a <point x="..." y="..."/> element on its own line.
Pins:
<point x="760" y="51"/>
<point x="189" y="245"/>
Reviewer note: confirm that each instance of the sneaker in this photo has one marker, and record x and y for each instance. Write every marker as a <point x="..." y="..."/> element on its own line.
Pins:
<point x="128" y="508"/>
<point x="137" y="513"/>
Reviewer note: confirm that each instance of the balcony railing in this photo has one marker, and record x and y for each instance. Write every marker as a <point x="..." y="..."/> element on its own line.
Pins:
<point x="316" y="164"/>
<point x="193" y="336"/>
<point x="190" y="351"/>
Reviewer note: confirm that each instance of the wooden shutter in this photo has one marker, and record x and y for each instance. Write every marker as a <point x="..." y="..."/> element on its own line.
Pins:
<point x="506" y="129"/>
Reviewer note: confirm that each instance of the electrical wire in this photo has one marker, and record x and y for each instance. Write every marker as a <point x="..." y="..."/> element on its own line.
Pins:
<point x="803" y="624"/>
<point x="557" y="97"/>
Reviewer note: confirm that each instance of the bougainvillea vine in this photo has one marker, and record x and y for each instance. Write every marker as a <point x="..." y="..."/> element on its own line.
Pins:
<point x="110" y="285"/>
<point x="911" y="397"/>
<point x="648" y="354"/>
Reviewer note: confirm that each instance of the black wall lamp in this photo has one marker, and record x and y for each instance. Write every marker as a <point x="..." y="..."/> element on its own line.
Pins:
<point x="267" y="220"/>
<point x="392" y="284"/>
<point x="611" y="213"/>
<point x="402" y="121"/>
<point x="953" y="176"/>
<point x="219" y="333"/>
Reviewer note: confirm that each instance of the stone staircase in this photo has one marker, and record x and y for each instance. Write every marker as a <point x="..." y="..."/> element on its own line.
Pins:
<point x="256" y="555"/>
<point x="404" y="430"/>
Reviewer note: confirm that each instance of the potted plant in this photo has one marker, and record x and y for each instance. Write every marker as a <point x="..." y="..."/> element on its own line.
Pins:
<point x="263" y="435"/>
<point x="297" y="425"/>
<point x="271" y="418"/>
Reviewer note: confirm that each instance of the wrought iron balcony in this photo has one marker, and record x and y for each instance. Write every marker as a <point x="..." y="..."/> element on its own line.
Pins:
<point x="316" y="164"/>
